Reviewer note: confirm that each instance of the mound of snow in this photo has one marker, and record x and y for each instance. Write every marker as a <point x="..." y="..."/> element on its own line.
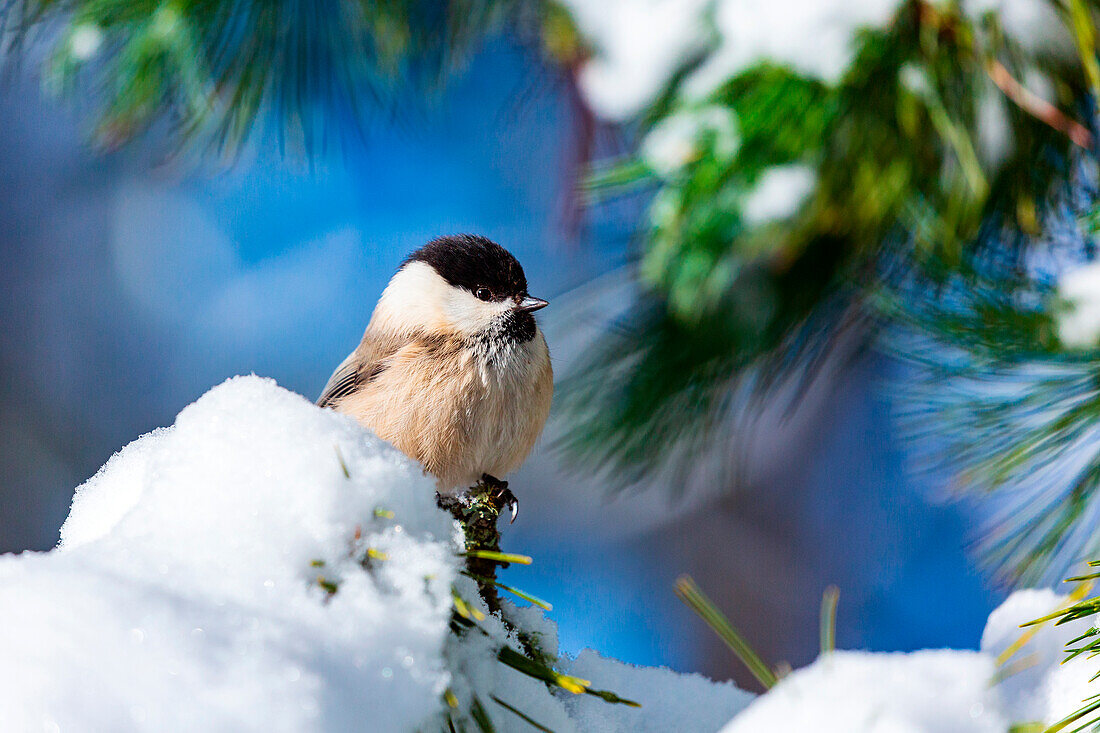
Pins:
<point x="669" y="700"/>
<point x="1016" y="678"/>
<point x="1036" y="686"/>
<point x="185" y="593"/>
<point x="944" y="691"/>
<point x="264" y="564"/>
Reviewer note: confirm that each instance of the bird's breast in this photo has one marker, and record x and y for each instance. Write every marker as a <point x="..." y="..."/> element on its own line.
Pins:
<point x="510" y="387"/>
<point x="461" y="409"/>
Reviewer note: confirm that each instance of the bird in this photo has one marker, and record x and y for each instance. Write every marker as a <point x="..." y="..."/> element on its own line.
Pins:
<point x="452" y="369"/>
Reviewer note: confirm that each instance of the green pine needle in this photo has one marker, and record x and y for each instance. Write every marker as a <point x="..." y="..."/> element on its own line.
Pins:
<point x="697" y="601"/>
<point x="534" y="600"/>
<point x="343" y="463"/>
<point x="497" y="556"/>
<point x="521" y="715"/>
<point x="829" y="600"/>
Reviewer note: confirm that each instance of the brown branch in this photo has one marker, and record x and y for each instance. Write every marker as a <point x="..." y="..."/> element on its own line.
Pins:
<point x="477" y="511"/>
<point x="1038" y="107"/>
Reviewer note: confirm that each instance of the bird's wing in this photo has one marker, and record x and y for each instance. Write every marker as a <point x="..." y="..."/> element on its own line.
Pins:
<point x="342" y="382"/>
<point x="359" y="368"/>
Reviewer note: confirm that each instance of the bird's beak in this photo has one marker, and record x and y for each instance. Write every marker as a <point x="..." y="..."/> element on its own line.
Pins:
<point x="529" y="304"/>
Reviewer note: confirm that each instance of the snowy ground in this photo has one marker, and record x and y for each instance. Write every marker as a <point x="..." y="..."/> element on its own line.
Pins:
<point x="267" y="565"/>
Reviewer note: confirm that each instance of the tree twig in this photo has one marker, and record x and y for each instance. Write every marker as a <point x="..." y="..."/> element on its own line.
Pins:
<point x="1036" y="106"/>
<point x="477" y="511"/>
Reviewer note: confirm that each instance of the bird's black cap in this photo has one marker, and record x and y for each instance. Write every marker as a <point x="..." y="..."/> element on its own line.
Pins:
<point x="470" y="261"/>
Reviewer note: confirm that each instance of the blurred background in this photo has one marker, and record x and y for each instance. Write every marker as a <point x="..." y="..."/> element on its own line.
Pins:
<point x="141" y="264"/>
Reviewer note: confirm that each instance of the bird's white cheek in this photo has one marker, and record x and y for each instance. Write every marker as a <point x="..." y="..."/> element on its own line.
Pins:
<point x="471" y="316"/>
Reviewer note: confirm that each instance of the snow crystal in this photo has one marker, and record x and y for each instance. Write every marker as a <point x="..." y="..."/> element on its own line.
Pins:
<point x="1079" y="323"/>
<point x="943" y="691"/>
<point x="185" y="593"/>
<point x="779" y="193"/>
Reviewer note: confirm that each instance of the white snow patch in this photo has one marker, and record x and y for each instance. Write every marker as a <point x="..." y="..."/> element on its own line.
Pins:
<point x="993" y="126"/>
<point x="679" y="139"/>
<point x="779" y="193"/>
<point x="943" y="691"/>
<point x="1078" y="324"/>
<point x="85" y="41"/>
<point x="638" y="44"/>
<point x="816" y="38"/>
<point x="669" y="700"/>
<point x="1038" y="687"/>
<point x="1034" y="24"/>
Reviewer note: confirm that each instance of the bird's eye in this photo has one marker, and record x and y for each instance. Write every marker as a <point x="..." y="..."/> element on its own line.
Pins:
<point x="483" y="294"/>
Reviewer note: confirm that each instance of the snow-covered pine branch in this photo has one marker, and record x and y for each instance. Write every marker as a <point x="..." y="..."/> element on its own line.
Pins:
<point x="265" y="564"/>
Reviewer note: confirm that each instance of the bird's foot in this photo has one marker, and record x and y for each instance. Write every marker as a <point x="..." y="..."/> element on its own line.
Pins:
<point x="501" y="495"/>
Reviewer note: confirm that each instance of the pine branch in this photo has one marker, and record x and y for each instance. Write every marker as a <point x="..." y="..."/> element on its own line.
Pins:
<point x="995" y="401"/>
<point x="218" y="70"/>
<point x="897" y="152"/>
<point x="478" y="511"/>
<point x="1079" y="606"/>
<point x="1038" y="107"/>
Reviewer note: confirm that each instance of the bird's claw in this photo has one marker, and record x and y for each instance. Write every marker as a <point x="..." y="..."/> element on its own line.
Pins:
<point x="502" y="496"/>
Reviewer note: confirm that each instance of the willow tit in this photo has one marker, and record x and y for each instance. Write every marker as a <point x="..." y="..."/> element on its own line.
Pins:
<point x="453" y="369"/>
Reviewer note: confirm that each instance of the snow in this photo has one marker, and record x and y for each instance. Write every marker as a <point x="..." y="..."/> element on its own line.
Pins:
<point x="1039" y="687"/>
<point x="669" y="700"/>
<point x="1034" y="24"/>
<point x="1078" y="324"/>
<point x="816" y="38"/>
<point x="638" y="44"/>
<point x="779" y="193"/>
<point x="938" y="691"/>
<point x="680" y="138"/>
<point x="85" y="41"/>
<point x="185" y="595"/>
<point x="944" y="691"/>
<point x="994" y="130"/>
